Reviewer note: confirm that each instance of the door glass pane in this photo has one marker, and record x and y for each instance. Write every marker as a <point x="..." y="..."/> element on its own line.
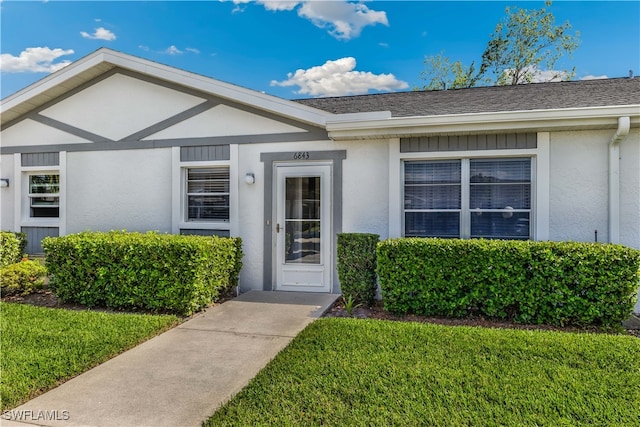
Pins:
<point x="302" y="220"/>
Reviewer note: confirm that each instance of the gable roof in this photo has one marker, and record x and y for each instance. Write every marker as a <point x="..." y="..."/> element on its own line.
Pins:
<point x="85" y="70"/>
<point x="534" y="96"/>
<point x="593" y="104"/>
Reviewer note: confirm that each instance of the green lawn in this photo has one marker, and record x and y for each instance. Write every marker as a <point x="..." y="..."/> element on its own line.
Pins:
<point x="344" y="372"/>
<point x="41" y="347"/>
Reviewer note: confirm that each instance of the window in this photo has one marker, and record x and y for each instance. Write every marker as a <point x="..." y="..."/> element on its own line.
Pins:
<point x="44" y="197"/>
<point x="207" y="191"/>
<point x="477" y="198"/>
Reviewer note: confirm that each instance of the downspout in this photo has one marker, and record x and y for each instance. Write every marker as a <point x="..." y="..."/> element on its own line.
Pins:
<point x="614" y="178"/>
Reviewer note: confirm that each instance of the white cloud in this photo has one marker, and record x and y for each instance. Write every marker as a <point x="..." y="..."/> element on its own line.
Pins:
<point x="343" y="20"/>
<point x="193" y="50"/>
<point x="592" y="77"/>
<point x="99" y="34"/>
<point x="337" y="78"/>
<point x="35" y="60"/>
<point x="172" y="50"/>
<point x="143" y="47"/>
<point x="277" y="5"/>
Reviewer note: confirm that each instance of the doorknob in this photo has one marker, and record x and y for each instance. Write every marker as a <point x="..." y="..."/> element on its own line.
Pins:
<point x="277" y="228"/>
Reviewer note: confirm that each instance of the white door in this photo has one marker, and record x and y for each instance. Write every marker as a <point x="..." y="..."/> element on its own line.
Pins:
<point x="303" y="228"/>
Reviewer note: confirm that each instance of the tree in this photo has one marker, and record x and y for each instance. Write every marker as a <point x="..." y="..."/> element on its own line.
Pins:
<point x="442" y="74"/>
<point x="523" y="48"/>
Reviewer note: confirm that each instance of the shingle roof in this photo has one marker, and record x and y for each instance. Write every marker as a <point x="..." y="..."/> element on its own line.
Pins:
<point x="535" y="96"/>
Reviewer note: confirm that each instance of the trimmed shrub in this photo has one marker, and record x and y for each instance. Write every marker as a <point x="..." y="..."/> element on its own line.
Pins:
<point x="11" y="248"/>
<point x="554" y="283"/>
<point x="357" y="266"/>
<point x="150" y="271"/>
<point x="22" y="242"/>
<point x="22" y="278"/>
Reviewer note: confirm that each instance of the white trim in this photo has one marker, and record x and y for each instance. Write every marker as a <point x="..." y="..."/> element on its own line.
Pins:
<point x="465" y="194"/>
<point x="304" y="277"/>
<point x="176" y="193"/>
<point x="202" y="225"/>
<point x="17" y="191"/>
<point x="542" y="187"/>
<point x="23" y="200"/>
<point x="435" y="155"/>
<point x="568" y="118"/>
<point x="234" y="190"/>
<point x="396" y="189"/>
<point x="538" y="199"/>
<point x="62" y="194"/>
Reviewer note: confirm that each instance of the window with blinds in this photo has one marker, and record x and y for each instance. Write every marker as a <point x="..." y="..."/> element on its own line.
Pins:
<point x="44" y="195"/>
<point x="432" y="198"/>
<point x="500" y="198"/>
<point x="468" y="198"/>
<point x="207" y="194"/>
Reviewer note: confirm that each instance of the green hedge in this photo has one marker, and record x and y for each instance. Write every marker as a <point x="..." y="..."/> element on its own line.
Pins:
<point x="150" y="271"/>
<point x="22" y="278"/>
<point x="555" y="283"/>
<point x="11" y="247"/>
<point x="356" y="255"/>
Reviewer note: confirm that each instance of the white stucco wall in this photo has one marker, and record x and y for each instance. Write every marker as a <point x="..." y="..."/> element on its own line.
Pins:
<point x="578" y="196"/>
<point x="123" y="189"/>
<point x="30" y="132"/>
<point x="7" y="193"/>
<point x="106" y="107"/>
<point x="578" y="186"/>
<point x="630" y="193"/>
<point x="223" y="120"/>
<point x="630" y="190"/>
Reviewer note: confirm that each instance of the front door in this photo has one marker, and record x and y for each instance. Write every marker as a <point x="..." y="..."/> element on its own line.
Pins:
<point x="303" y="224"/>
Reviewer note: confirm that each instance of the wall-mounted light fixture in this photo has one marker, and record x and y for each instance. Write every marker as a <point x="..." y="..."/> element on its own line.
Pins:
<point x="250" y="178"/>
<point x="4" y="182"/>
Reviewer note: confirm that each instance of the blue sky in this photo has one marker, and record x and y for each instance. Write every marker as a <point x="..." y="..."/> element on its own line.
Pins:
<point x="297" y="49"/>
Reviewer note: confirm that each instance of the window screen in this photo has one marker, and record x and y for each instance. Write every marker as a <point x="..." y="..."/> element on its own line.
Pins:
<point x="207" y="191"/>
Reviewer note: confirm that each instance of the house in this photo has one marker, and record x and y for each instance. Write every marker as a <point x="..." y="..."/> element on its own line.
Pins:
<point x="113" y="141"/>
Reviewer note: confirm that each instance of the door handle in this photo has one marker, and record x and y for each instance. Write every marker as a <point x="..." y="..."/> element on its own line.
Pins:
<point x="277" y="228"/>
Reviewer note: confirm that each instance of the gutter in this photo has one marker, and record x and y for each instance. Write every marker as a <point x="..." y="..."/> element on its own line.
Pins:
<point x="520" y="121"/>
<point x="614" y="178"/>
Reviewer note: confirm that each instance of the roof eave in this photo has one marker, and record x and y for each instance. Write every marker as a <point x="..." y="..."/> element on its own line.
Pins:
<point x="505" y="121"/>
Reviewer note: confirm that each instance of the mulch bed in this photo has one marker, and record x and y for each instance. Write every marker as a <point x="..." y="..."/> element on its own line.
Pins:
<point x="45" y="298"/>
<point x="377" y="312"/>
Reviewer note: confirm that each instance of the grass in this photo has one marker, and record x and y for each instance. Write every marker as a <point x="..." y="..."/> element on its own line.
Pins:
<point x="42" y="347"/>
<point x="344" y="372"/>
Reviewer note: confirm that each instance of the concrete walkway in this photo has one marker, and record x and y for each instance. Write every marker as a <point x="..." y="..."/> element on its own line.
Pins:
<point x="182" y="376"/>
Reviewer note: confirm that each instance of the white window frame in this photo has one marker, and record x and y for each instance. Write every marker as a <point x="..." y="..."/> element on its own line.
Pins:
<point x="539" y="180"/>
<point x="31" y="196"/>
<point x="465" y="194"/>
<point x="179" y="193"/>
<point x="22" y="212"/>
<point x="187" y="194"/>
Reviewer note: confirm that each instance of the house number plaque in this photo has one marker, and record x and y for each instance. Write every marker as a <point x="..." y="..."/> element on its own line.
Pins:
<point x="301" y="155"/>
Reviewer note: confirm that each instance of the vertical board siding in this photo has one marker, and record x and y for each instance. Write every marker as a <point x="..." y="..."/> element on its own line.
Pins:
<point x="40" y="159"/>
<point x="508" y="141"/>
<point x="35" y="236"/>
<point x="199" y="232"/>
<point x="204" y="153"/>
